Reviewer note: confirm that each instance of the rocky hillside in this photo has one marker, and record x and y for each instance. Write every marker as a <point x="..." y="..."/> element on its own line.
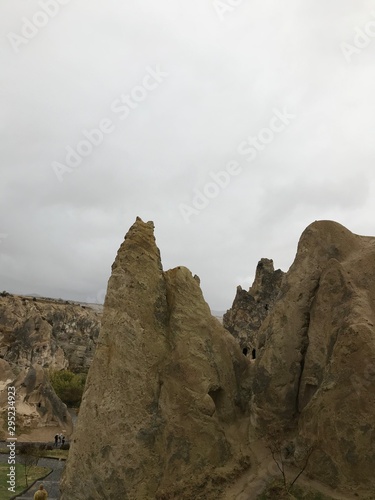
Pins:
<point x="314" y="376"/>
<point x="52" y="333"/>
<point x="171" y="402"/>
<point x="165" y="413"/>
<point x="38" y="334"/>
<point x="250" y="308"/>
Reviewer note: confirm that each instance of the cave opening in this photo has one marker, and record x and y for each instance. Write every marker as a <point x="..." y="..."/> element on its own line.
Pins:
<point x="245" y="350"/>
<point x="217" y="395"/>
<point x="254" y="353"/>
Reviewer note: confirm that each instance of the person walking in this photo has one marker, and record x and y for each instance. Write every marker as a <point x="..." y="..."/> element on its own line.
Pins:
<point x="63" y="441"/>
<point x="41" y="493"/>
<point x="56" y="439"/>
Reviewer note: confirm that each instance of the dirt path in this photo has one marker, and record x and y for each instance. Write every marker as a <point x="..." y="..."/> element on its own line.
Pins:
<point x="47" y="434"/>
<point x="253" y="482"/>
<point x="41" y="435"/>
<point x="264" y="469"/>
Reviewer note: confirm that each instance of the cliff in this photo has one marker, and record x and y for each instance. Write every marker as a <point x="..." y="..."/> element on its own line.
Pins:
<point x="52" y="333"/>
<point x="171" y="402"/>
<point x="250" y="308"/>
<point x="36" y="335"/>
<point x="314" y="376"/>
<point x="165" y="410"/>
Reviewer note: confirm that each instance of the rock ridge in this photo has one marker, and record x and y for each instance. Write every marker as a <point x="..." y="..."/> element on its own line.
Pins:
<point x="250" y="308"/>
<point x="167" y="392"/>
<point x="314" y="375"/>
<point x="38" y="334"/>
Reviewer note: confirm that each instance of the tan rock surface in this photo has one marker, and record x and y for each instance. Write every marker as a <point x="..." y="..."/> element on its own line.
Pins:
<point x="37" y="405"/>
<point x="315" y="374"/>
<point x="164" y="414"/>
<point x="37" y="334"/>
<point x="55" y="334"/>
<point x="250" y="308"/>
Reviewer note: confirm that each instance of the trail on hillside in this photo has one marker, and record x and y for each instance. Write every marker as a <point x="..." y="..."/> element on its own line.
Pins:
<point x="253" y="482"/>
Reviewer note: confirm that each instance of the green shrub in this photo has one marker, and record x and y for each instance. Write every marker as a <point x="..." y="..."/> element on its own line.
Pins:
<point x="68" y="386"/>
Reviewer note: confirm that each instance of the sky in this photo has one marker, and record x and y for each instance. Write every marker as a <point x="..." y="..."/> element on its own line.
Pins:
<point x="231" y="124"/>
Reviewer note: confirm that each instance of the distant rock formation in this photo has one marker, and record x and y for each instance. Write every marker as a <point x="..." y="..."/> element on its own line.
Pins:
<point x="315" y="371"/>
<point x="37" y="334"/>
<point x="165" y="410"/>
<point x="250" y="308"/>
<point x="36" y="402"/>
<point x="51" y="333"/>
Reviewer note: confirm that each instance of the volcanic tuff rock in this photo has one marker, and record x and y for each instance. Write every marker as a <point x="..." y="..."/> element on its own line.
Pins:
<point x="38" y="333"/>
<point x="36" y="402"/>
<point x="315" y="373"/>
<point x="250" y="308"/>
<point x="164" y="414"/>
<point x="51" y="333"/>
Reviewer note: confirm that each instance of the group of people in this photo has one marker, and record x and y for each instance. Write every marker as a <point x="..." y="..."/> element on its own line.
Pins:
<point x="59" y="439"/>
<point x="41" y="493"/>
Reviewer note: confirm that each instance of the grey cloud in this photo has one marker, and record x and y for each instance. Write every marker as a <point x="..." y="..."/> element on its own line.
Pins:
<point x="224" y="80"/>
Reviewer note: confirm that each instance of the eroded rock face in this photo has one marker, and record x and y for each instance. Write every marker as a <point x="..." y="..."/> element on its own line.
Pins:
<point x="53" y="334"/>
<point x="250" y="308"/>
<point x="37" y="405"/>
<point x="315" y="373"/>
<point x="164" y="413"/>
<point x="37" y="334"/>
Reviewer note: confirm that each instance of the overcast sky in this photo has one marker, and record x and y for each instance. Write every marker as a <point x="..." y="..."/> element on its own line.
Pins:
<point x="278" y="95"/>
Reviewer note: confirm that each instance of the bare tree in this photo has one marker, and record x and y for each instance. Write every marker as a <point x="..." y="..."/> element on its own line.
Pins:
<point x="285" y="453"/>
<point x="28" y="456"/>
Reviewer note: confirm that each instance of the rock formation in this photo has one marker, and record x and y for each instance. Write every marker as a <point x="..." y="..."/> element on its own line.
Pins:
<point x="250" y="308"/>
<point x="51" y="333"/>
<point x="165" y="410"/>
<point x="37" y="405"/>
<point x="315" y="373"/>
<point x="37" y="334"/>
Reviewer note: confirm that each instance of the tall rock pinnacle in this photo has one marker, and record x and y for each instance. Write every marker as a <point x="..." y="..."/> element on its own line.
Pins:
<point x="315" y="374"/>
<point x="250" y="308"/>
<point x="164" y="411"/>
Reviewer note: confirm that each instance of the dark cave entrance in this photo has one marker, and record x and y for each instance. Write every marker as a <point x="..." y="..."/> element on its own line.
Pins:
<point x="217" y="395"/>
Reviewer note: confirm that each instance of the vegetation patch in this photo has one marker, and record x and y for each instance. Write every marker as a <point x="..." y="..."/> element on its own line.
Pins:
<point x="59" y="453"/>
<point x="68" y="386"/>
<point x="34" y="473"/>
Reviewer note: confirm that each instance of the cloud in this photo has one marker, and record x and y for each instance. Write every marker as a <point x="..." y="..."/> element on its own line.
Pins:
<point x="224" y="80"/>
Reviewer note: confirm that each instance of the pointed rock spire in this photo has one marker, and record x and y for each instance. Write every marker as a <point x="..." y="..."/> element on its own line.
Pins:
<point x="164" y="391"/>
